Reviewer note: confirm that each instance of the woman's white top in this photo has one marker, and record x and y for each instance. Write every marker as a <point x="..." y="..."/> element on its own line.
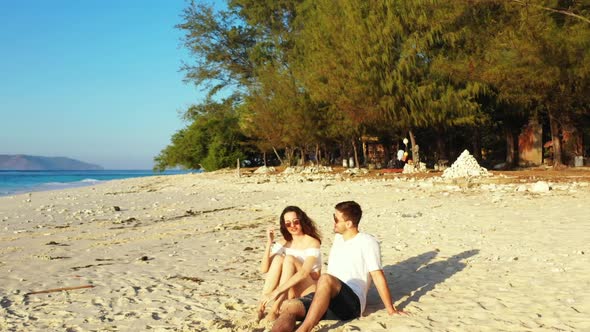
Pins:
<point x="300" y="254"/>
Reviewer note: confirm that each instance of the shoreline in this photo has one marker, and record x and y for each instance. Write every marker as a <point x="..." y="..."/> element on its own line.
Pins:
<point x="181" y="252"/>
<point x="88" y="179"/>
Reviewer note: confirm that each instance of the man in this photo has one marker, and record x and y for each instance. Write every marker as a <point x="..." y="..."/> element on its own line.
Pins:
<point x="355" y="260"/>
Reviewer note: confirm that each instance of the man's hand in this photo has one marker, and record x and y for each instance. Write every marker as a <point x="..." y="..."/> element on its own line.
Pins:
<point x="393" y="311"/>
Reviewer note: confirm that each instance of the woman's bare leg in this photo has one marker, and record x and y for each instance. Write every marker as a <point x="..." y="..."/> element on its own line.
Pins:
<point x="290" y="265"/>
<point x="273" y="276"/>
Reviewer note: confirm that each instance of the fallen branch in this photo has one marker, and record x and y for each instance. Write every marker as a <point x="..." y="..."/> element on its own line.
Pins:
<point x="560" y="11"/>
<point x="59" y="289"/>
<point x="76" y="268"/>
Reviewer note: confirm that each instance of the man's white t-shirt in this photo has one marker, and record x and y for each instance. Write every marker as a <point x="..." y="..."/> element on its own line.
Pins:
<point x="351" y="261"/>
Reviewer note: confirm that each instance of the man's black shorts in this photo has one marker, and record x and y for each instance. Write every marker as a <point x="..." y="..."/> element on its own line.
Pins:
<point x="345" y="305"/>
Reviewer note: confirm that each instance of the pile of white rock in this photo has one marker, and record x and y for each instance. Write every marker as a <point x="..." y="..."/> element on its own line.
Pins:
<point x="316" y="169"/>
<point x="265" y="170"/>
<point x="356" y="171"/>
<point x="465" y="166"/>
<point x="413" y="168"/>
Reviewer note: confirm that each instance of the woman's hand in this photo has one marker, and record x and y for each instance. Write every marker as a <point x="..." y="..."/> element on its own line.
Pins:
<point x="269" y="298"/>
<point x="270" y="235"/>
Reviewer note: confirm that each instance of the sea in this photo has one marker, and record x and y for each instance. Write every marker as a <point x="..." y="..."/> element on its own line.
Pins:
<point x="17" y="182"/>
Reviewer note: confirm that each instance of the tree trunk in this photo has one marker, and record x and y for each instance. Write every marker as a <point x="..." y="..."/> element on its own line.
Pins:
<point x="302" y="159"/>
<point x="264" y="158"/>
<point x="415" y="149"/>
<point x="277" y="154"/>
<point x="441" y="148"/>
<point x="289" y="154"/>
<point x="510" y="147"/>
<point x="554" y="125"/>
<point x="356" y="154"/>
<point x="364" y="147"/>
<point x="318" y="155"/>
<point x="476" y="144"/>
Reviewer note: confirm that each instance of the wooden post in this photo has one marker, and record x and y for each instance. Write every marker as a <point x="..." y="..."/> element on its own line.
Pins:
<point x="238" y="167"/>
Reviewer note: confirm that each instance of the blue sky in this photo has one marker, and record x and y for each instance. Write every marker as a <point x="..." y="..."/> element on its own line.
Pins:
<point x="94" y="80"/>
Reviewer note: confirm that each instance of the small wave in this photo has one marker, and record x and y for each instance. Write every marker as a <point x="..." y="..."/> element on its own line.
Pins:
<point x="85" y="182"/>
<point x="52" y="184"/>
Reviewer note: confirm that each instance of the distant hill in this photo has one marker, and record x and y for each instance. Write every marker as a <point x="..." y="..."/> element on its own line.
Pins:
<point x="21" y="162"/>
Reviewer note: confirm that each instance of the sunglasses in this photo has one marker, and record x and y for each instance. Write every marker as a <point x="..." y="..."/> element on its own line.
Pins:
<point x="336" y="219"/>
<point x="293" y="223"/>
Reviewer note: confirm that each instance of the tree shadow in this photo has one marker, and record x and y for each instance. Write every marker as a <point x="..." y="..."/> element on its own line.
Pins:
<point x="415" y="277"/>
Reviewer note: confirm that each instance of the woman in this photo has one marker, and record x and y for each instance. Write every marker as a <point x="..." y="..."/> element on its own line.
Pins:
<point x="293" y="264"/>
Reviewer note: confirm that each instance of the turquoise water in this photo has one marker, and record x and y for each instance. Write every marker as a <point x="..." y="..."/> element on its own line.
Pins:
<point x="15" y="182"/>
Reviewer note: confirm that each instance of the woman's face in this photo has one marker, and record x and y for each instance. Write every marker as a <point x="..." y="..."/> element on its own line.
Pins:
<point x="292" y="223"/>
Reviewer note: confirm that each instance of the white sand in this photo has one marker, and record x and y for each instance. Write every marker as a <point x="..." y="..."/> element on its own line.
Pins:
<point x="471" y="256"/>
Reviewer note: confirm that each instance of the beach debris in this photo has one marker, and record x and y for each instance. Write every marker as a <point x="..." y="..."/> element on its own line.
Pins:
<point x="50" y="258"/>
<point x="54" y="290"/>
<point x="193" y="279"/>
<point x="116" y="208"/>
<point x="61" y="226"/>
<point x="464" y="167"/>
<point x="190" y="212"/>
<point x="76" y="268"/>
<point x="412" y="215"/>
<point x="144" y="258"/>
<point x="307" y="169"/>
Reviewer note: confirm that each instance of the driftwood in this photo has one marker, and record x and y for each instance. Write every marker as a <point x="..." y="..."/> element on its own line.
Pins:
<point x="59" y="289"/>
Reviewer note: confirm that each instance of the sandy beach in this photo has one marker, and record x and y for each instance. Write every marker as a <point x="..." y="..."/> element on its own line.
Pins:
<point x="181" y="253"/>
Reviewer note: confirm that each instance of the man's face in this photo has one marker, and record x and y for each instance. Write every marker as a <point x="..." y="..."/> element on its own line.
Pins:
<point x="339" y="222"/>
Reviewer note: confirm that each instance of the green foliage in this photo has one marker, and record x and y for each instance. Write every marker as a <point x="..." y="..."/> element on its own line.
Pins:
<point x="314" y="72"/>
<point x="212" y="141"/>
<point x="220" y="46"/>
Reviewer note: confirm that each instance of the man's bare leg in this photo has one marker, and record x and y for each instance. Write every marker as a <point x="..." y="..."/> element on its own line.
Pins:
<point x="327" y="288"/>
<point x="290" y="312"/>
<point x="271" y="281"/>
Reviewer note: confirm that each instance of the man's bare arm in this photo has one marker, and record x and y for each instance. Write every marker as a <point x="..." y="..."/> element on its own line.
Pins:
<point x="383" y="289"/>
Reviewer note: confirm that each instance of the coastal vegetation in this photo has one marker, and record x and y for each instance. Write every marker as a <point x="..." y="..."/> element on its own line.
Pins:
<point x="293" y="80"/>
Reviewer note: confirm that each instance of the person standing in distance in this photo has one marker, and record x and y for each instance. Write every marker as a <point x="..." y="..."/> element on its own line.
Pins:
<point x="354" y="261"/>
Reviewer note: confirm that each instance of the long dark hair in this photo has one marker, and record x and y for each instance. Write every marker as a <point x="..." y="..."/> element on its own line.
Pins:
<point x="307" y="225"/>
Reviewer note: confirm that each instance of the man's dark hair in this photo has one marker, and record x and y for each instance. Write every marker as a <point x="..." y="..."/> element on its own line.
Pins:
<point x="351" y="210"/>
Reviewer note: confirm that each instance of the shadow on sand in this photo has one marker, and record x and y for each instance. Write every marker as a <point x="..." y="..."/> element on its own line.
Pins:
<point x="415" y="277"/>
